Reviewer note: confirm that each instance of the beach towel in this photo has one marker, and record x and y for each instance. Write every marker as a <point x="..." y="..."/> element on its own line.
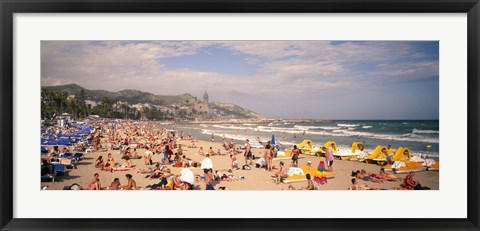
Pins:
<point x="295" y="171"/>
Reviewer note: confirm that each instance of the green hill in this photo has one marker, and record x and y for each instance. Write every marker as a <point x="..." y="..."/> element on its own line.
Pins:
<point x="127" y="95"/>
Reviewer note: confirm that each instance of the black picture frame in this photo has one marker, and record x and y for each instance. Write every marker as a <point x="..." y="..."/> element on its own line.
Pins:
<point x="10" y="7"/>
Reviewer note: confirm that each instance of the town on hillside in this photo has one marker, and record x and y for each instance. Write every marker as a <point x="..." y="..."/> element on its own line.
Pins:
<point x="78" y="102"/>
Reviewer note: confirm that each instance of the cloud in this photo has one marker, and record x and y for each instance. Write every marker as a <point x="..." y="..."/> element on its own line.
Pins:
<point x="285" y="70"/>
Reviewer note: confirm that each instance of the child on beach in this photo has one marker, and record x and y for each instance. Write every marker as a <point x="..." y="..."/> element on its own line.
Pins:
<point x="233" y="162"/>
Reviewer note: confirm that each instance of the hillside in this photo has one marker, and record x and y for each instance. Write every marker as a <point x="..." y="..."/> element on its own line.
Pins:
<point x="135" y="96"/>
<point x="127" y="95"/>
<point x="235" y="110"/>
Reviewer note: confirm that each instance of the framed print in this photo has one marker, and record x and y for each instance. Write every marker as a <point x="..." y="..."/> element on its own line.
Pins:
<point x="239" y="115"/>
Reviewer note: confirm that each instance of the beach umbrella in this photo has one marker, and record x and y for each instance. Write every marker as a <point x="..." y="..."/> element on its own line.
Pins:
<point x="273" y="139"/>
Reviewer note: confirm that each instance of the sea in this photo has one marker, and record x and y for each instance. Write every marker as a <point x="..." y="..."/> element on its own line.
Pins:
<point x="421" y="136"/>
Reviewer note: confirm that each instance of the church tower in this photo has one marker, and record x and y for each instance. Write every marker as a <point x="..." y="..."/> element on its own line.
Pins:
<point x="205" y="101"/>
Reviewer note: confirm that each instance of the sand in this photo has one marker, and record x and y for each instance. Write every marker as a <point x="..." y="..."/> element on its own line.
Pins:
<point x="255" y="179"/>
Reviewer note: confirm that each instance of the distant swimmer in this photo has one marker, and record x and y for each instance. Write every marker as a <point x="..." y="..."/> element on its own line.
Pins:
<point x="258" y="140"/>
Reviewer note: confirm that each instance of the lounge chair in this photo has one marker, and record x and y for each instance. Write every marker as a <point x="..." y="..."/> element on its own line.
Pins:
<point x="67" y="162"/>
<point x="77" y="157"/>
<point x="59" y="169"/>
<point x="66" y="155"/>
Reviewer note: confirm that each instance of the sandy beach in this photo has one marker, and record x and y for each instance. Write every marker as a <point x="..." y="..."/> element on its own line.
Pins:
<point x="254" y="179"/>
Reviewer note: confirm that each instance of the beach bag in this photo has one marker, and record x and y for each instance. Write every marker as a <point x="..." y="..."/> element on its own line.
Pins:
<point x="246" y="167"/>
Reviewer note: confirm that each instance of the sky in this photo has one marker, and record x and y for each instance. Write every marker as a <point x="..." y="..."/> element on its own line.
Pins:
<point x="277" y="79"/>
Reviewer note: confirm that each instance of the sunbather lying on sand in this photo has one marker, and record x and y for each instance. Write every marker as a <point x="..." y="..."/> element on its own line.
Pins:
<point x="383" y="175"/>
<point x="368" y="177"/>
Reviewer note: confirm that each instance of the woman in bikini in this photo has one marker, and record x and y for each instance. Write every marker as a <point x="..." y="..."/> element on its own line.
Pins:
<point x="99" y="162"/>
<point x="269" y="157"/>
<point x="131" y="185"/>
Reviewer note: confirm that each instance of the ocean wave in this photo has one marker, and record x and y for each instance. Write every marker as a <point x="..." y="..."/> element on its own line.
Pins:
<point x="232" y="127"/>
<point x="367" y="127"/>
<point x="249" y="124"/>
<point x="351" y="128"/>
<point x="396" y="137"/>
<point x="348" y="125"/>
<point x="419" y="131"/>
<point x="301" y="127"/>
<point x="203" y="125"/>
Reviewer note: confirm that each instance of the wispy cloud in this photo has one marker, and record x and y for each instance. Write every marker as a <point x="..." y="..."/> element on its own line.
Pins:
<point x="284" y="70"/>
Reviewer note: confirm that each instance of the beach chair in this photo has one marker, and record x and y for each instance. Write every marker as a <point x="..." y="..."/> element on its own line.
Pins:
<point x="67" y="162"/>
<point x="59" y="169"/>
<point x="43" y="150"/>
<point x="66" y="155"/>
<point x="77" y="157"/>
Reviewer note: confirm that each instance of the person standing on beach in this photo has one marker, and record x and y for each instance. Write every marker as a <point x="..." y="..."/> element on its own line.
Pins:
<point x="165" y="153"/>
<point x="248" y="152"/>
<point x="295" y="154"/>
<point x="147" y="156"/>
<point x="389" y="157"/>
<point x="269" y="157"/>
<point x="213" y="137"/>
<point x="329" y="158"/>
<point x="207" y="166"/>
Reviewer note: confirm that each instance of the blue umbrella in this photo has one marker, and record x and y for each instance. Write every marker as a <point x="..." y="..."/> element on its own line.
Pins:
<point x="273" y="139"/>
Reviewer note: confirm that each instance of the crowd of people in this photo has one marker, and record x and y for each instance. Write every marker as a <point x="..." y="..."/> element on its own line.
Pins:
<point x="121" y="141"/>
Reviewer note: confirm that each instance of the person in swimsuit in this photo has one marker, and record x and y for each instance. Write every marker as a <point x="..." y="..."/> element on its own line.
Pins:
<point x="131" y="185"/>
<point x="94" y="183"/>
<point x="309" y="183"/>
<point x="115" y="184"/>
<point x="282" y="173"/>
